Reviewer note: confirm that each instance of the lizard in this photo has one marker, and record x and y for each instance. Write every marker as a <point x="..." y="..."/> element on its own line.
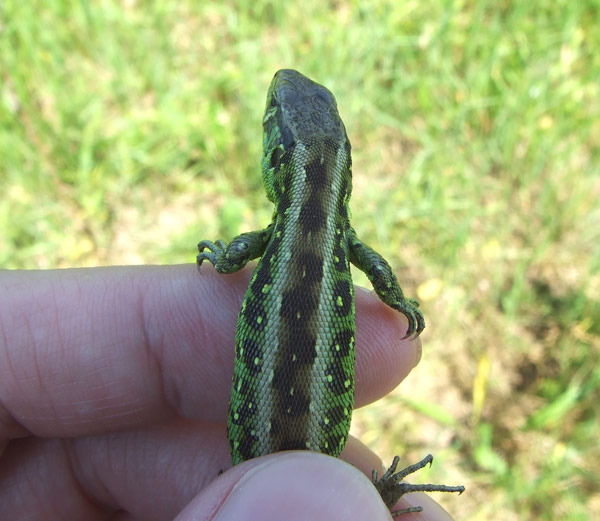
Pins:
<point x="293" y="382"/>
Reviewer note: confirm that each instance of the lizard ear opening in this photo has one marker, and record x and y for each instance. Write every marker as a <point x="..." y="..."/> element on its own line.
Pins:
<point x="276" y="157"/>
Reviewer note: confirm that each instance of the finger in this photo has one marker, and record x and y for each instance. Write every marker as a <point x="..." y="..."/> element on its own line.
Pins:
<point x="293" y="486"/>
<point x="383" y="356"/>
<point x="92" y="350"/>
<point x="149" y="474"/>
<point x="142" y="474"/>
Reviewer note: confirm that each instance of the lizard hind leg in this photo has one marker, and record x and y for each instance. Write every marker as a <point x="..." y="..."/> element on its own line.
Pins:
<point x="391" y="490"/>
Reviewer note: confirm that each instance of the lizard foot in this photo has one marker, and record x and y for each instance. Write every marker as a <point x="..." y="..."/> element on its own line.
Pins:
<point x="390" y="489"/>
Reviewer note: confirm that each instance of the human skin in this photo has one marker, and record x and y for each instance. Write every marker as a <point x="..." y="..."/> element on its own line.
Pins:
<point x="114" y="387"/>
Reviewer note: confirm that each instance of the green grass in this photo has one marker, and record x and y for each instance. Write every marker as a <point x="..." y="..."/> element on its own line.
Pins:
<point x="130" y="130"/>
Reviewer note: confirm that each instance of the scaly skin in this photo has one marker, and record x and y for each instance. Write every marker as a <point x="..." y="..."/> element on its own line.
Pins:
<point x="293" y="383"/>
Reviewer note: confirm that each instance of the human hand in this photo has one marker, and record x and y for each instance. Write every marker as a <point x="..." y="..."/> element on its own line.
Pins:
<point x="114" y="385"/>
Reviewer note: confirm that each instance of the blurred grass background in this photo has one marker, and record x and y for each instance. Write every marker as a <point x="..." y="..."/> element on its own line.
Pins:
<point x="130" y="130"/>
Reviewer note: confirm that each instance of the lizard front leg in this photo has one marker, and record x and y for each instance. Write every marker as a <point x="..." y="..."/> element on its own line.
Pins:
<point x="233" y="257"/>
<point x="385" y="282"/>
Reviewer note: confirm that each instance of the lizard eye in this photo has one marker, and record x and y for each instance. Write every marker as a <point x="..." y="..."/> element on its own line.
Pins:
<point x="287" y="94"/>
<point x="325" y="97"/>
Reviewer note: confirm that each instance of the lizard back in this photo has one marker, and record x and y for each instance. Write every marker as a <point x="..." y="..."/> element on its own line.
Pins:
<point x="293" y="385"/>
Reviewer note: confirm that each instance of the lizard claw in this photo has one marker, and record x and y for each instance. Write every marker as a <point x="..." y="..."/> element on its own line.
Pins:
<point x="416" y="321"/>
<point x="215" y="250"/>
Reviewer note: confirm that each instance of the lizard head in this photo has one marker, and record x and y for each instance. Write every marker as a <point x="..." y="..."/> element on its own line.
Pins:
<point x="298" y="111"/>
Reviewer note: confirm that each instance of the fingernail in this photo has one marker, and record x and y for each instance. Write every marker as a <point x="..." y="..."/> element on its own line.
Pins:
<point x="418" y="351"/>
<point x="303" y="486"/>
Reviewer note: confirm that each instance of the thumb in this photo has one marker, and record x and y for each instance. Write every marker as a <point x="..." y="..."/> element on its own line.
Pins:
<point x="296" y="486"/>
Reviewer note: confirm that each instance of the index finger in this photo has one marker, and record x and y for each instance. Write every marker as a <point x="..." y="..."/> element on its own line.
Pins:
<point x="87" y="351"/>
